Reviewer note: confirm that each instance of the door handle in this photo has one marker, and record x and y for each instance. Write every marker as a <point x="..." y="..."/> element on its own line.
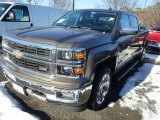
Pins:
<point x="31" y="24"/>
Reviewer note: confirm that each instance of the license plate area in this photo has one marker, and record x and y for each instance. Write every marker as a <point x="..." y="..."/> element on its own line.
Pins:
<point x="36" y="93"/>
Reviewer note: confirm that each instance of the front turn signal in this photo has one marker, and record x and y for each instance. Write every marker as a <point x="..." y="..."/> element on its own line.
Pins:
<point x="80" y="55"/>
<point x="78" y="71"/>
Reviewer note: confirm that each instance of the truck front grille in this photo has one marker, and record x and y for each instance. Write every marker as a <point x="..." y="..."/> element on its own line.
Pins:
<point x="30" y="49"/>
<point x="30" y="64"/>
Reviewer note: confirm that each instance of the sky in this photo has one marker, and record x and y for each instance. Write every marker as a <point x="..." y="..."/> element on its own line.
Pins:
<point x="82" y="4"/>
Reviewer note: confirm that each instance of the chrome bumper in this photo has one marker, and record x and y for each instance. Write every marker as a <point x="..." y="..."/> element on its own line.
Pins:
<point x="154" y="44"/>
<point x="47" y="93"/>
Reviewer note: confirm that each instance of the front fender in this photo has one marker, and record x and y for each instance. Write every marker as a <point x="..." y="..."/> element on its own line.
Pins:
<point x="98" y="55"/>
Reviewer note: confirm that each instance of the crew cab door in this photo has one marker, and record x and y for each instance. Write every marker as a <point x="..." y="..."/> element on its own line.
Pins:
<point x="126" y="50"/>
<point x="138" y="41"/>
<point x="17" y="17"/>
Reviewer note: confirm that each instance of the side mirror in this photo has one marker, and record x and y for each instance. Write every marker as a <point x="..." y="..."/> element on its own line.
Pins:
<point x="128" y="31"/>
<point x="10" y="16"/>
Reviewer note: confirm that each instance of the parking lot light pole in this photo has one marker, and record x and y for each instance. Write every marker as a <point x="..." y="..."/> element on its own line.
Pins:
<point x="73" y="4"/>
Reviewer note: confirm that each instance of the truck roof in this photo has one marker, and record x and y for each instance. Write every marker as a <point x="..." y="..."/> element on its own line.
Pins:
<point x="8" y="2"/>
<point x="18" y="3"/>
<point x="107" y="10"/>
<point x="13" y="3"/>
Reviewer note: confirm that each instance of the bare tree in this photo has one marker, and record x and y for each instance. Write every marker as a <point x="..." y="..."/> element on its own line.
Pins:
<point x="150" y="15"/>
<point x="69" y="5"/>
<point x="119" y="4"/>
<point x="114" y="4"/>
<point x="132" y="4"/>
<point x="20" y="1"/>
<point x="156" y="10"/>
<point x="37" y="2"/>
<point x="63" y="4"/>
<point x="29" y="1"/>
<point x="12" y="0"/>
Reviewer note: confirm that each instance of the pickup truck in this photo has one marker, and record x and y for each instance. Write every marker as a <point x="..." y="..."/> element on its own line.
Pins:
<point x="153" y="39"/>
<point x="73" y="63"/>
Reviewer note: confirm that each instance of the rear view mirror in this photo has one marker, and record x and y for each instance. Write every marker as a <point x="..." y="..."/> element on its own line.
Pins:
<point x="10" y="16"/>
<point x="128" y="31"/>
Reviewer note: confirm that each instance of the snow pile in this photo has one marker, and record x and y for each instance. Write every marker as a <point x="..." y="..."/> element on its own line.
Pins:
<point x="142" y="91"/>
<point x="10" y="109"/>
<point x="111" y="105"/>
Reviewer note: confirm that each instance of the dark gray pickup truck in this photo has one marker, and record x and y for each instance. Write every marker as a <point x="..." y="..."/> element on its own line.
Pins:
<point x="73" y="63"/>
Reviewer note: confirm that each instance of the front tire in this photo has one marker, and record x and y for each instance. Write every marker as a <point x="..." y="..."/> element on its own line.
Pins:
<point x="101" y="89"/>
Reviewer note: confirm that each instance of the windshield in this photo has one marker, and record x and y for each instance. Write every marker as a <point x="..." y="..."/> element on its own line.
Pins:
<point x="3" y="8"/>
<point x="100" y="21"/>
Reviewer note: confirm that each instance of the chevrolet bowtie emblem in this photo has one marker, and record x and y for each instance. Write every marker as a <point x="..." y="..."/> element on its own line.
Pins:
<point x="18" y="54"/>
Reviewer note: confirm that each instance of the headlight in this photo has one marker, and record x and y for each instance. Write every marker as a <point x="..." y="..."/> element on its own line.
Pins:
<point x="73" y="70"/>
<point x="71" y="54"/>
<point x="67" y="55"/>
<point x="70" y="70"/>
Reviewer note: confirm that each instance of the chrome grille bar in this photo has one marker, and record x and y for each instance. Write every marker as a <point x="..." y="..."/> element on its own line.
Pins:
<point x="30" y="64"/>
<point x="31" y="49"/>
<point x="37" y="57"/>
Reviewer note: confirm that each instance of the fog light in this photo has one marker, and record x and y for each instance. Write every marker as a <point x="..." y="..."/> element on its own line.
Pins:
<point x="65" y="95"/>
<point x="51" y="96"/>
<point x="66" y="69"/>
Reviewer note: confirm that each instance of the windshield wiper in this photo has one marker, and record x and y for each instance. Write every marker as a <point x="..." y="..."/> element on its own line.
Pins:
<point x="79" y="27"/>
<point x="94" y="29"/>
<point x="74" y="26"/>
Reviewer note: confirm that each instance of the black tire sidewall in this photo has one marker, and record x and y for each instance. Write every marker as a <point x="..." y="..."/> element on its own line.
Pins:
<point x="94" y="105"/>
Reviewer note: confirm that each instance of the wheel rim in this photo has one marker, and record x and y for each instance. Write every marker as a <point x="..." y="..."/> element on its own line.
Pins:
<point x="103" y="88"/>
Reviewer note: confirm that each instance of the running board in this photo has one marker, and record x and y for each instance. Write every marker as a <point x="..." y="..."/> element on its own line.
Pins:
<point x="125" y="70"/>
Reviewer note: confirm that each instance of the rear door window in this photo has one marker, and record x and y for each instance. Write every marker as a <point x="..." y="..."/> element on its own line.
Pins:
<point x="125" y="22"/>
<point x="134" y="22"/>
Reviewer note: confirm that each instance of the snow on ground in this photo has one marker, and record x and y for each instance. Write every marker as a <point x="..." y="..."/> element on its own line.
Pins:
<point x="152" y="57"/>
<point x="142" y="91"/>
<point x="111" y="105"/>
<point x="10" y="109"/>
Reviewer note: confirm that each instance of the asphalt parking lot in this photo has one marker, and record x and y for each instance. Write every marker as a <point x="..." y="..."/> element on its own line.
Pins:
<point x="129" y="99"/>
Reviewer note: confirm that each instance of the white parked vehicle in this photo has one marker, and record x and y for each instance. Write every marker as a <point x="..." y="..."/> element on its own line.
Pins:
<point x="17" y="15"/>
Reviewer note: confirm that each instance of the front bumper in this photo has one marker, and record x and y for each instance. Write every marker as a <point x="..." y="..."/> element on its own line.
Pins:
<point x="153" y="47"/>
<point x="76" y="102"/>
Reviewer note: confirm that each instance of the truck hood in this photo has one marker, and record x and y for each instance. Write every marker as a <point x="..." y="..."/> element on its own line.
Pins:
<point x="61" y="37"/>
